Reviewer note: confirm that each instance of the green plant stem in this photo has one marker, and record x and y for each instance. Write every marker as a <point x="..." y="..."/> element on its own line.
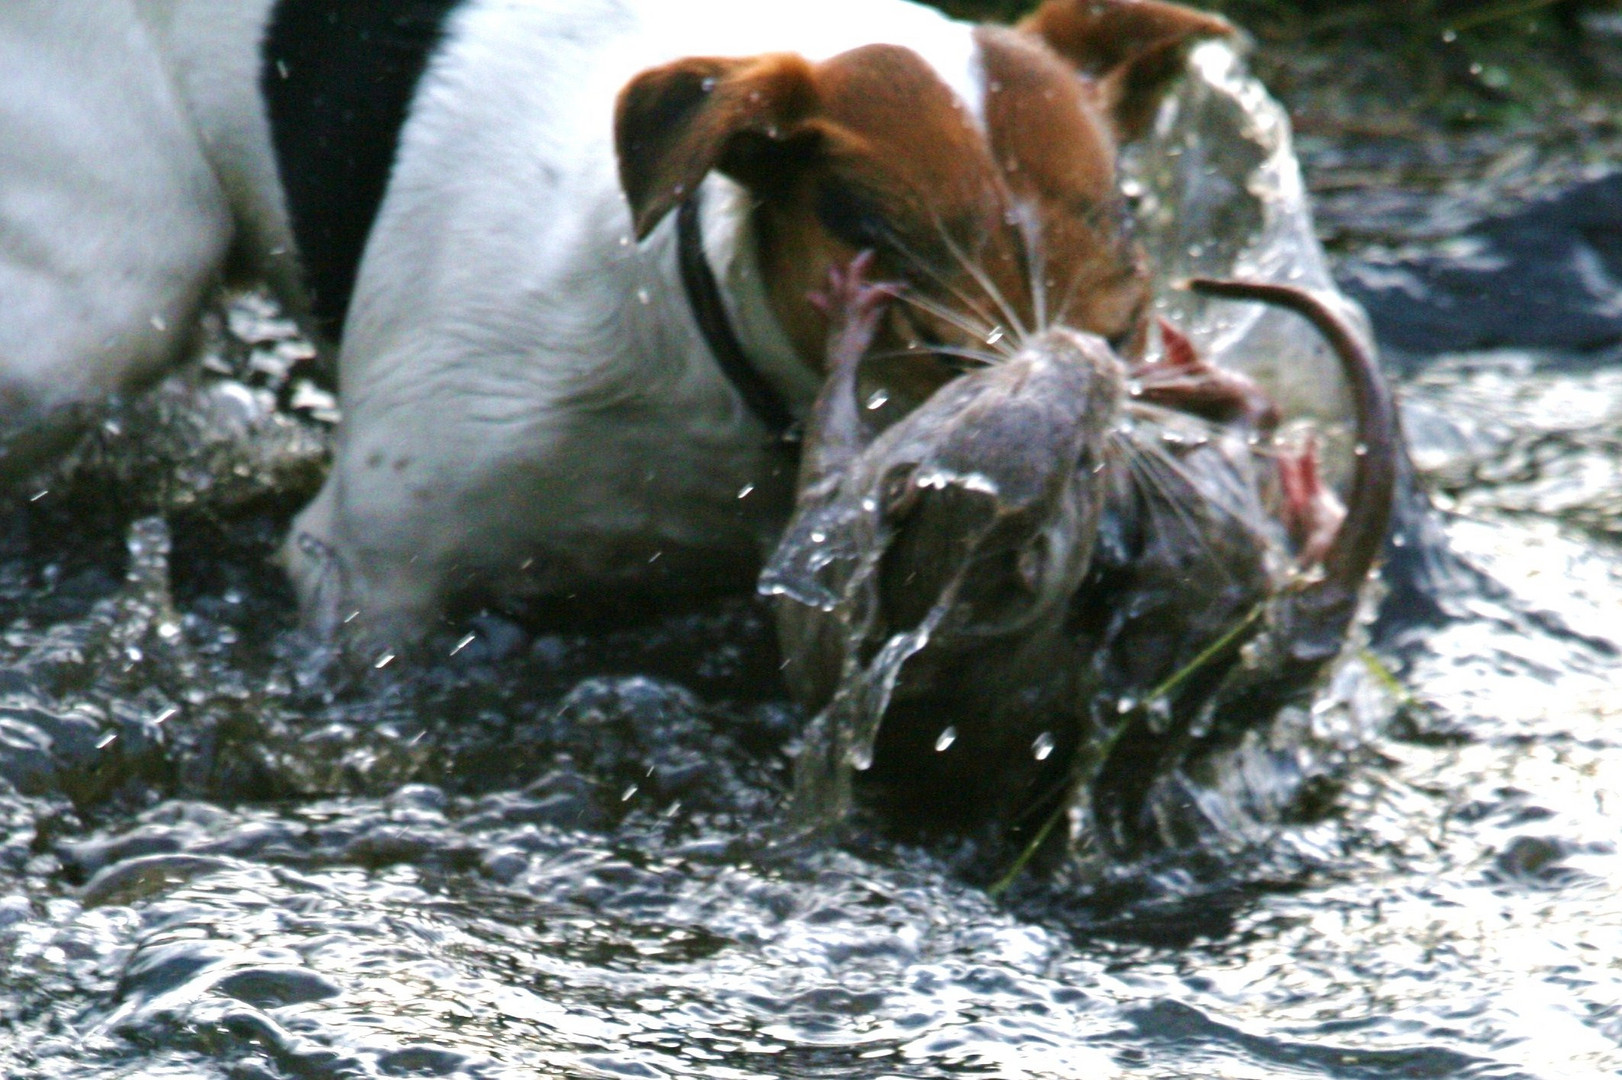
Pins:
<point x="1165" y="689"/>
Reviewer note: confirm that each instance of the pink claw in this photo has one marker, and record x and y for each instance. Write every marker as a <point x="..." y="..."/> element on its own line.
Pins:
<point x="1312" y="513"/>
<point x="1179" y="350"/>
<point x="1183" y="380"/>
<point x="854" y="307"/>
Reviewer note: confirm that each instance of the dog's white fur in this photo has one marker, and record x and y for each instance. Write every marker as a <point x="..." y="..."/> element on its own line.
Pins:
<point x="502" y="309"/>
<point x="536" y="369"/>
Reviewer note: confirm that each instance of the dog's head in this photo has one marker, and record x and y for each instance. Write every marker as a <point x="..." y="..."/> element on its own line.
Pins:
<point x="1003" y="211"/>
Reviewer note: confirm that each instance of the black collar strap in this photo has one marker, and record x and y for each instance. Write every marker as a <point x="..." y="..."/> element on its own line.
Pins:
<point x="704" y="297"/>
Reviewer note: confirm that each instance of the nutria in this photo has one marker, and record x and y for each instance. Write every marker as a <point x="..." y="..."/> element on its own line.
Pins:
<point x="1039" y="581"/>
<point x="928" y="569"/>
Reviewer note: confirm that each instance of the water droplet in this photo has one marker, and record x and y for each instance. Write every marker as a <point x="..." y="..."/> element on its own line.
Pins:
<point x="1196" y="250"/>
<point x="384" y="661"/>
<point x="1134" y="388"/>
<point x="1159" y="716"/>
<point x="629" y="793"/>
<point x="1125" y="705"/>
<point x="945" y="739"/>
<point x="995" y="336"/>
<point x="1450" y="36"/>
<point x="107" y="740"/>
<point x="708" y="83"/>
<point x="877" y="399"/>
<point x="1361" y="449"/>
<point x="869" y="504"/>
<point x="654" y="557"/>
<point x="168" y="631"/>
<point x="818" y="536"/>
<point x="625" y="241"/>
<point x="860" y="758"/>
<point x="38" y="495"/>
<point x="744" y="492"/>
<point x="643" y="296"/>
<point x="1042" y="748"/>
<point x="166" y="715"/>
<point x="467" y="639"/>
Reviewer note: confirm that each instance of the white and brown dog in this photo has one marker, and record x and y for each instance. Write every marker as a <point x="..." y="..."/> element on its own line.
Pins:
<point x="566" y="245"/>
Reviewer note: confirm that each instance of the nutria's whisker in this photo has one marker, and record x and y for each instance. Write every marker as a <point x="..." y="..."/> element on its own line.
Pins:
<point x="975" y="356"/>
<point x="1155" y="456"/>
<point x="960" y="295"/>
<point x="1168" y="487"/>
<point x="1030" y="232"/>
<point x="958" y="321"/>
<point x="1011" y="317"/>
<point x="1070" y="293"/>
<point x="1163" y="500"/>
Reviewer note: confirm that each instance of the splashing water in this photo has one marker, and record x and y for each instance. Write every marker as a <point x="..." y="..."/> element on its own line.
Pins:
<point x="434" y="872"/>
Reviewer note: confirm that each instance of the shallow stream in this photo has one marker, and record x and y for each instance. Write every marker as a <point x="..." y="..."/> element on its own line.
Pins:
<point x="554" y="854"/>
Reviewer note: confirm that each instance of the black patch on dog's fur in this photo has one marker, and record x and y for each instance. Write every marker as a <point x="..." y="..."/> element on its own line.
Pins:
<point x="338" y="78"/>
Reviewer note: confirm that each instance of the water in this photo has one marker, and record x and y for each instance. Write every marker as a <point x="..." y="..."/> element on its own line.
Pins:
<point x="554" y="854"/>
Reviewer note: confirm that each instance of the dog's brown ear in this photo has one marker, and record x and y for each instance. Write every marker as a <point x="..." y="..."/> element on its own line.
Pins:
<point x="1132" y="49"/>
<point x="673" y="124"/>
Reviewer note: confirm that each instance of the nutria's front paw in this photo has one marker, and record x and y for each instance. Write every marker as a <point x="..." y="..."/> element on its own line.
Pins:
<point x="854" y="307"/>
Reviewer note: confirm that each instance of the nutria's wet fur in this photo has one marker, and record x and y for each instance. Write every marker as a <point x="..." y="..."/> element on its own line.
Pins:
<point x="1000" y="580"/>
<point x="928" y="571"/>
<point x="1142" y="617"/>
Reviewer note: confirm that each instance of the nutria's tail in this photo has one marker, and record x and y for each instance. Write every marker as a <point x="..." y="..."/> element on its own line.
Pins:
<point x="1320" y="611"/>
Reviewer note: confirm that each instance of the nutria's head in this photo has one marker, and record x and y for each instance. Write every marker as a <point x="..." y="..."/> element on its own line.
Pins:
<point x="926" y="574"/>
<point x="972" y="517"/>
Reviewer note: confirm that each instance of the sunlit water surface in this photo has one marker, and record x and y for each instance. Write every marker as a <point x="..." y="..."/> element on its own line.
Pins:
<point x="556" y="854"/>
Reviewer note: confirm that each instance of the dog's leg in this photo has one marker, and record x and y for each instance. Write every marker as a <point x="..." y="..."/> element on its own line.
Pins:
<point x="112" y="226"/>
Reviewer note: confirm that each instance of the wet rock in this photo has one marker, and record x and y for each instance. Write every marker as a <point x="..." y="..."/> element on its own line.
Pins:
<point x="137" y="879"/>
<point x="90" y="857"/>
<point x="1538" y="861"/>
<point x="159" y="968"/>
<point x="422" y="1061"/>
<point x="271" y="987"/>
<point x="14" y="909"/>
<point x="490" y="639"/>
<point x="642" y="741"/>
<point x="1546" y="275"/>
<point x="78" y="751"/>
<point x="35" y="746"/>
